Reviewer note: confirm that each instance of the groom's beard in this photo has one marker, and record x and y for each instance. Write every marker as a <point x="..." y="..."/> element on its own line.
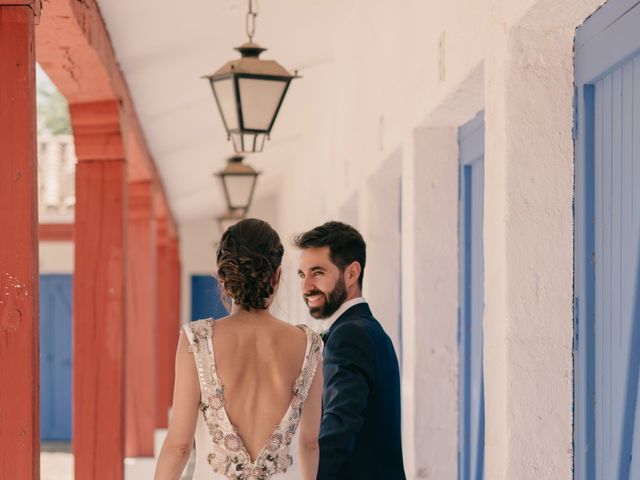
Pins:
<point x="332" y="301"/>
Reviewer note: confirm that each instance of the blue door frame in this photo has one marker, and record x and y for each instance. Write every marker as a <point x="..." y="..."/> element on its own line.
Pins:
<point x="607" y="244"/>
<point x="471" y="301"/>
<point x="55" y="357"/>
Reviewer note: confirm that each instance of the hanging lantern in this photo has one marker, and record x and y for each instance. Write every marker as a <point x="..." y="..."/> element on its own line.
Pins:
<point x="239" y="183"/>
<point x="249" y="92"/>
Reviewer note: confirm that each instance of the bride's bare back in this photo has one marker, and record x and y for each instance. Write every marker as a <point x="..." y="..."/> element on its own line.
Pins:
<point x="235" y="404"/>
<point x="257" y="361"/>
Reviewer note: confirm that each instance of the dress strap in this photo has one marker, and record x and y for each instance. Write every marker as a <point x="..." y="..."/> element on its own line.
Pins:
<point x="312" y="359"/>
<point x="200" y="335"/>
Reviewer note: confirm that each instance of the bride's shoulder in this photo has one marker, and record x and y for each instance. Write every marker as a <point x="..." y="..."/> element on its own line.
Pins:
<point x="312" y="334"/>
<point x="199" y="324"/>
<point x="198" y="328"/>
<point x="305" y="328"/>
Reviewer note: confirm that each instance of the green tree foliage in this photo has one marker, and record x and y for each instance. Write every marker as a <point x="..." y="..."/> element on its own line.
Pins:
<point x="53" y="111"/>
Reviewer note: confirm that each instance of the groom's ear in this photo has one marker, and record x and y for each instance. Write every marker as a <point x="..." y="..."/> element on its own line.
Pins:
<point x="352" y="273"/>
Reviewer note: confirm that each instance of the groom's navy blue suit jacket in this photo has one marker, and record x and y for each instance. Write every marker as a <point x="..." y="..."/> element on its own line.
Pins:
<point x="360" y="429"/>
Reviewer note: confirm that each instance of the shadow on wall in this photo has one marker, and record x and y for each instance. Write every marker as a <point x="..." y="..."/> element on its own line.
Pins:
<point x="382" y="282"/>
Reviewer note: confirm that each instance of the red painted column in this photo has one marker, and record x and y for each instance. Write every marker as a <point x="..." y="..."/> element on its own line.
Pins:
<point x="141" y="322"/>
<point x="164" y="352"/>
<point x="19" y="340"/>
<point x="175" y="295"/>
<point x="99" y="292"/>
<point x="173" y="309"/>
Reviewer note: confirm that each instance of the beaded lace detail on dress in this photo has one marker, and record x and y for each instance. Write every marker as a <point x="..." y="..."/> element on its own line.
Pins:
<point x="229" y="456"/>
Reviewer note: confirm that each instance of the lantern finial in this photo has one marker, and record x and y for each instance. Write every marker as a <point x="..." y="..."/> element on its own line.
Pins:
<point x="250" y="50"/>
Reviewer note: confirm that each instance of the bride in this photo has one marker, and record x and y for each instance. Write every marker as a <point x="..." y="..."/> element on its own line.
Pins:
<point x="248" y="386"/>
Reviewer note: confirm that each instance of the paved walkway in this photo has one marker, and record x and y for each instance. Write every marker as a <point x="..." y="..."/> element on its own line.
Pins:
<point x="56" y="466"/>
<point x="56" y="463"/>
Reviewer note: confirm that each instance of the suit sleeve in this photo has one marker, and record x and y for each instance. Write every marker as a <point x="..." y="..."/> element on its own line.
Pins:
<point x="348" y="375"/>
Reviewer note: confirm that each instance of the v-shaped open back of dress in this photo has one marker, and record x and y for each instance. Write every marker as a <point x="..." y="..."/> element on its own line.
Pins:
<point x="220" y="452"/>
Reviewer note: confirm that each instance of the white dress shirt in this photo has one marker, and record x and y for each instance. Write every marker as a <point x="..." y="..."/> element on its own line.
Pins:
<point x="324" y="325"/>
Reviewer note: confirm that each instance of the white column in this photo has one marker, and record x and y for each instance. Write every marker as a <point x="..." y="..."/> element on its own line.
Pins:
<point x="430" y="301"/>
<point x="528" y="247"/>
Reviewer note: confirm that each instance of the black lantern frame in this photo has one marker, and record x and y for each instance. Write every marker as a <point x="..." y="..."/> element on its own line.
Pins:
<point x="237" y="170"/>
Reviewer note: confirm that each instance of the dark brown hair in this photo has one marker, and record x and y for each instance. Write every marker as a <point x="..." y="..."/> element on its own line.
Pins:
<point x="345" y="243"/>
<point x="248" y="256"/>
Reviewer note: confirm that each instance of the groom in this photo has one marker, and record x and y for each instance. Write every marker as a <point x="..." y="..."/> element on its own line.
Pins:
<point x="360" y="429"/>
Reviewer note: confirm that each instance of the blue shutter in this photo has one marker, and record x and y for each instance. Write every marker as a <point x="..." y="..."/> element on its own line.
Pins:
<point x="205" y="298"/>
<point x="471" y="301"/>
<point x="607" y="244"/>
<point x="55" y="357"/>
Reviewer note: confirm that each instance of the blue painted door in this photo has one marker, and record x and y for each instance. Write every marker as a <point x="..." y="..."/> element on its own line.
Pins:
<point x="607" y="244"/>
<point x="205" y="298"/>
<point x="471" y="301"/>
<point x="55" y="357"/>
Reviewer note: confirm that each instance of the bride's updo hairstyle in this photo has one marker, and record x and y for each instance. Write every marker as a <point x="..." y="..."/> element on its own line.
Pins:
<point x="248" y="256"/>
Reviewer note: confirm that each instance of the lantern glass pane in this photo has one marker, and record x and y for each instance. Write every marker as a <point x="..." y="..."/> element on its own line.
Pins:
<point x="260" y="100"/>
<point x="239" y="188"/>
<point x="226" y="96"/>
<point x="260" y="142"/>
<point x="236" y="138"/>
<point x="248" y="142"/>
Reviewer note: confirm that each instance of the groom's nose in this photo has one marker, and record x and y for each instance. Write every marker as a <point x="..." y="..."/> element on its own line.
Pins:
<point x="307" y="284"/>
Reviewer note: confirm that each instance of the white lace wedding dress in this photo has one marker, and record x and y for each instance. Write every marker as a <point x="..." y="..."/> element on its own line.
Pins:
<point x="220" y="453"/>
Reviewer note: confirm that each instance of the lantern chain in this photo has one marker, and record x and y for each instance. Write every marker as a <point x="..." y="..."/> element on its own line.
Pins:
<point x="251" y="19"/>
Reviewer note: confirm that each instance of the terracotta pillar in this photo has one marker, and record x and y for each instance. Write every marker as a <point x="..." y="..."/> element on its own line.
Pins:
<point x="176" y="282"/>
<point x="141" y="322"/>
<point x="165" y="352"/>
<point x="99" y="292"/>
<point x="19" y="349"/>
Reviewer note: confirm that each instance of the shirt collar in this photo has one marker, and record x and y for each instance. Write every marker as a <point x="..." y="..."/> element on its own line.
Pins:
<point x="326" y="323"/>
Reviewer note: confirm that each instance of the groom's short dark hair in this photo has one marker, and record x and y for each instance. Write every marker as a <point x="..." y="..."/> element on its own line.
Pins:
<point x="345" y="243"/>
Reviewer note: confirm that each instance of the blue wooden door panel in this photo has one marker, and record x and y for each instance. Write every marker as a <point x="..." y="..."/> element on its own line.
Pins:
<point x="596" y="41"/>
<point x="634" y="184"/>
<point x="616" y="264"/>
<point x="471" y="301"/>
<point x="55" y="357"/>
<point x="205" y="298"/>
<point x="607" y="245"/>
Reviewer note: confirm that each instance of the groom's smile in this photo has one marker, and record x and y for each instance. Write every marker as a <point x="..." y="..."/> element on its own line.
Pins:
<point x="314" y="299"/>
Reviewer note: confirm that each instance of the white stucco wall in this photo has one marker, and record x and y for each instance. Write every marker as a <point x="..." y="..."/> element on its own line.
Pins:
<point x="197" y="257"/>
<point x="382" y="279"/>
<point x="56" y="257"/>
<point x="429" y="377"/>
<point x="529" y="242"/>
